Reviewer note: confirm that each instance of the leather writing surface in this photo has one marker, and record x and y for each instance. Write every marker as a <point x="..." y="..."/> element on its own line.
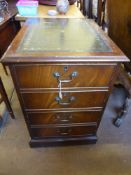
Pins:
<point x="63" y="35"/>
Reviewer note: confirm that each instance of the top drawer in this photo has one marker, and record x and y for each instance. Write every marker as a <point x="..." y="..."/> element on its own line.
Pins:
<point x="48" y="76"/>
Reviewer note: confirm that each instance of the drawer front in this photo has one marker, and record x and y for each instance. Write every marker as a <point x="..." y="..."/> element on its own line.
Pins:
<point x="70" y="100"/>
<point x="63" y="117"/>
<point x="63" y="131"/>
<point x="42" y="76"/>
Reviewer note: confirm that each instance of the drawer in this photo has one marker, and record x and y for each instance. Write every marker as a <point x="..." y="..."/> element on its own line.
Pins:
<point x="47" y="76"/>
<point x="63" y="117"/>
<point x="51" y="100"/>
<point x="63" y="131"/>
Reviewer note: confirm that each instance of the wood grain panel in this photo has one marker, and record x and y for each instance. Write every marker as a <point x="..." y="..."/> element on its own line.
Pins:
<point x="6" y="36"/>
<point x="63" y="118"/>
<point x="63" y="131"/>
<point x="43" y="76"/>
<point x="48" y="100"/>
<point x="120" y="19"/>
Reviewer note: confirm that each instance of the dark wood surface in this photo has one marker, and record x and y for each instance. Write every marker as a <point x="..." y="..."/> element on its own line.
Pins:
<point x="63" y="131"/>
<point x="47" y="72"/>
<point x="120" y="32"/>
<point x="48" y="100"/>
<point x="59" y="117"/>
<point x="53" y="2"/>
<point x="8" y="28"/>
<point x="12" y="12"/>
<point x="68" y="112"/>
<point x="120" y="24"/>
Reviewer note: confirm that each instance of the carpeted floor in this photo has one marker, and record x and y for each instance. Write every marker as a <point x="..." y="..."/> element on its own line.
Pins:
<point x="111" y="155"/>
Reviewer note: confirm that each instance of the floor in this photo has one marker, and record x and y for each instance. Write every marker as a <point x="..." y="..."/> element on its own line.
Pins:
<point x="111" y="155"/>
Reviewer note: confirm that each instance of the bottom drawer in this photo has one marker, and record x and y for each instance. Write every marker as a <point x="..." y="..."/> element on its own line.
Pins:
<point x="63" y="131"/>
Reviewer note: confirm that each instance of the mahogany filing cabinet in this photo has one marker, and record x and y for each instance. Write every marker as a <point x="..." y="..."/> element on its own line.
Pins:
<point x="63" y="71"/>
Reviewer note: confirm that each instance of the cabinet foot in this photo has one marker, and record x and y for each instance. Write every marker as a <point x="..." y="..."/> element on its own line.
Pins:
<point x="123" y="113"/>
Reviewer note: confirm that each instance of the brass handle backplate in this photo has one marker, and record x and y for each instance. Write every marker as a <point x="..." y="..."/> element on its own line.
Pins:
<point x="62" y="102"/>
<point x="71" y="76"/>
<point x="64" y="131"/>
<point x="63" y="118"/>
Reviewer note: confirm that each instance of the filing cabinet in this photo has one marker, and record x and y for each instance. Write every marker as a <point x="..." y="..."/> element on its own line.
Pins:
<point x="62" y="85"/>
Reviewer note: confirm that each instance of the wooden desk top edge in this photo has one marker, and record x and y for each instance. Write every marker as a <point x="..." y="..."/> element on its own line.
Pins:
<point x="115" y="56"/>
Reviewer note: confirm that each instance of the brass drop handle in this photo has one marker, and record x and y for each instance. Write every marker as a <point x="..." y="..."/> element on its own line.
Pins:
<point x="68" y="102"/>
<point x="71" y="76"/>
<point x="63" y="118"/>
<point x="64" y="131"/>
